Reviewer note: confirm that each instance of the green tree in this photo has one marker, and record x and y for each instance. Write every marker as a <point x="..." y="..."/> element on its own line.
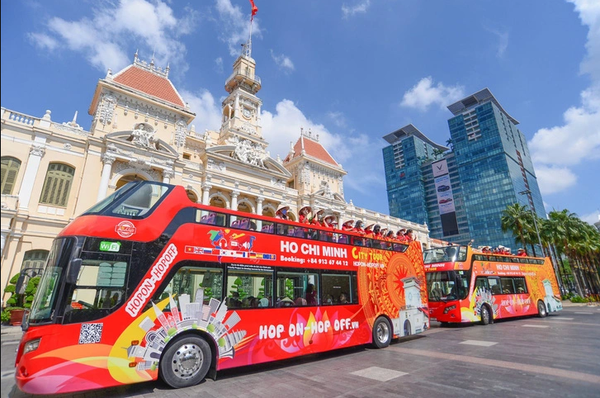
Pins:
<point x="514" y="219"/>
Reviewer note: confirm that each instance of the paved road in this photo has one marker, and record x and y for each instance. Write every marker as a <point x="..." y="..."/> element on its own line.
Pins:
<point x="557" y="356"/>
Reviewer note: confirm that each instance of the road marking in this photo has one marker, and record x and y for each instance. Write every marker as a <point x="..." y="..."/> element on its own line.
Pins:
<point x="536" y="326"/>
<point x="379" y="374"/>
<point x="560" y="319"/>
<point x="14" y="342"/>
<point x="584" y="313"/>
<point x="586" y="377"/>
<point x="479" y="343"/>
<point x="8" y="375"/>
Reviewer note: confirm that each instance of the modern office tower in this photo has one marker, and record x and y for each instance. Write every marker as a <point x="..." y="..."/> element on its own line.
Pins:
<point x="462" y="193"/>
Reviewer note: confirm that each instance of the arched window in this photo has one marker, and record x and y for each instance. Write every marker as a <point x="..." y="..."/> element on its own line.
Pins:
<point x="35" y="259"/>
<point x="10" y="170"/>
<point x="57" y="184"/>
<point x="244" y="207"/>
<point x="192" y="195"/>
<point x="128" y="178"/>
<point x="217" y="202"/>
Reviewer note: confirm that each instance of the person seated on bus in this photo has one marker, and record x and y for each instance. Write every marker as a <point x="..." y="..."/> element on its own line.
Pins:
<point x="344" y="298"/>
<point x="520" y="290"/>
<point x="234" y="301"/>
<point x="359" y="227"/>
<point x="409" y="235"/>
<point x="311" y="295"/>
<point x="496" y="289"/>
<point x="285" y="302"/>
<point x="264" y="302"/>
<point x="300" y="301"/>
<point x="436" y="292"/>
<point x="329" y="299"/>
<point x="390" y="236"/>
<point x="377" y="232"/>
<point x="400" y="235"/>
<point x="521" y="252"/>
<point x="451" y="252"/>
<point x="486" y="250"/>
<point x="303" y="216"/>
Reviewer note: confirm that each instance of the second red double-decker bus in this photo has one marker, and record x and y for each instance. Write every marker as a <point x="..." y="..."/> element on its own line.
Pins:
<point x="147" y="284"/>
<point x="465" y="285"/>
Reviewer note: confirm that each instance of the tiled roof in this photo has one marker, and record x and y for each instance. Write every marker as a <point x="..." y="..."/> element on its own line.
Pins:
<point x="312" y="149"/>
<point x="149" y="83"/>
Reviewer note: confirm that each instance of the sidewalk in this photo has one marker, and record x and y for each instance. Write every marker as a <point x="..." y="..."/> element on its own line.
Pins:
<point x="11" y="333"/>
<point x="568" y="303"/>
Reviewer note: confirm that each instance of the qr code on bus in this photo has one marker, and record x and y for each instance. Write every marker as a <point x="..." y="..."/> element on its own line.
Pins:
<point x="90" y="333"/>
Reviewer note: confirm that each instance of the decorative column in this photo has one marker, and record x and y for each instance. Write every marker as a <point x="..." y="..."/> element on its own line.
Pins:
<point x="236" y="108"/>
<point x="259" y="207"/>
<point x="234" y="198"/>
<point x="107" y="159"/>
<point x="37" y="150"/>
<point x="167" y="175"/>
<point x="205" y="194"/>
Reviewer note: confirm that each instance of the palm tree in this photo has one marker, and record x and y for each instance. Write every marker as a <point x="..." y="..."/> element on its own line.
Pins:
<point x="514" y="219"/>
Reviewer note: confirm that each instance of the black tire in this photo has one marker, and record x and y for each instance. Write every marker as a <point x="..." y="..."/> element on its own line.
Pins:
<point x="542" y="312"/>
<point x="407" y="328"/>
<point x="486" y="315"/>
<point x="382" y="332"/>
<point x="186" y="362"/>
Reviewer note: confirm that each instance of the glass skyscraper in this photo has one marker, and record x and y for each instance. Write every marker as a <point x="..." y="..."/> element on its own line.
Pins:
<point x="461" y="193"/>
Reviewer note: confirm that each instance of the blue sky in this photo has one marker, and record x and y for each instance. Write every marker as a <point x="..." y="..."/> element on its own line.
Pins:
<point x="351" y="71"/>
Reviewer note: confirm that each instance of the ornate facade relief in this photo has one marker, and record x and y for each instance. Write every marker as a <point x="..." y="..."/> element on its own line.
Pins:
<point x="248" y="152"/>
<point x="212" y="165"/>
<point x="143" y="135"/>
<point x="180" y="133"/>
<point x="106" y="109"/>
<point x="37" y="150"/>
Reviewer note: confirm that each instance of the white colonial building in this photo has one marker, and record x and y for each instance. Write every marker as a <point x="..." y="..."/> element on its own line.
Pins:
<point x="141" y="129"/>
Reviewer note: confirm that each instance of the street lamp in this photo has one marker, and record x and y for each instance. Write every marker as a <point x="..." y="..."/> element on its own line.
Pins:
<point x="528" y="193"/>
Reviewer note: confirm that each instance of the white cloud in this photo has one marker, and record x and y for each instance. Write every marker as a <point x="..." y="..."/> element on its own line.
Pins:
<point x="502" y="40"/>
<point x="208" y="112"/>
<point x="338" y="118"/>
<point x="104" y="38"/>
<point x="578" y="139"/>
<point x="283" y="61"/>
<point x="592" y="217"/>
<point x="219" y="65"/>
<point x="357" y="153"/>
<point x="43" y="41"/>
<point x="234" y="25"/>
<point x="424" y="94"/>
<point x="553" y="179"/>
<point x="359" y="8"/>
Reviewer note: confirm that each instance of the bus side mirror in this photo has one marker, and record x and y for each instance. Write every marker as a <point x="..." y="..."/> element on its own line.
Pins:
<point x="73" y="272"/>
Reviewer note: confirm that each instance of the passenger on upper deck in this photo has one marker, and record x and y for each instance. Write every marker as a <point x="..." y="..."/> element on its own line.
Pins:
<point x="409" y="235"/>
<point x="303" y="215"/>
<point x="358" y="227"/>
<point x="521" y="252"/>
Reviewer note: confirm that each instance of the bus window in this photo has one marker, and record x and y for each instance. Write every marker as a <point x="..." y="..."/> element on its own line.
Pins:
<point x="246" y="287"/>
<point x="495" y="285"/>
<point x="293" y="289"/>
<point x="336" y="284"/>
<point x="520" y="285"/>
<point x="507" y="285"/>
<point x="198" y="282"/>
<point x="267" y="226"/>
<point x="142" y="200"/>
<point x="99" y="290"/>
<point x="481" y="283"/>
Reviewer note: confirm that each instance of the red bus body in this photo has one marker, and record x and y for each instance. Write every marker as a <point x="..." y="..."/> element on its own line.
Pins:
<point x="116" y="349"/>
<point x="507" y="286"/>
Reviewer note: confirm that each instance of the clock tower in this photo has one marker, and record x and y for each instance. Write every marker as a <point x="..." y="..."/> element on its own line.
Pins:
<point x="241" y="109"/>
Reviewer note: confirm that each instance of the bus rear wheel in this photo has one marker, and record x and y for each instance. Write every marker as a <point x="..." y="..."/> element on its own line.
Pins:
<point x="186" y="362"/>
<point x="542" y="309"/>
<point x="382" y="333"/>
<point x="486" y="315"/>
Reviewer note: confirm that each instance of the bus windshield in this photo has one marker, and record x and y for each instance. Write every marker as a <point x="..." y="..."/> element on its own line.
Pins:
<point x="448" y="285"/>
<point x="445" y="254"/>
<point x="45" y="299"/>
<point x="135" y="199"/>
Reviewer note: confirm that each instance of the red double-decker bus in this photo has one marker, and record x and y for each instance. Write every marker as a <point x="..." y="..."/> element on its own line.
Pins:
<point x="147" y="284"/>
<point x="465" y="285"/>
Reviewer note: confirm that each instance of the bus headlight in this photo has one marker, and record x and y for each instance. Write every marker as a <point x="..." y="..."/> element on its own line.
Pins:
<point x="449" y="308"/>
<point x="31" y="345"/>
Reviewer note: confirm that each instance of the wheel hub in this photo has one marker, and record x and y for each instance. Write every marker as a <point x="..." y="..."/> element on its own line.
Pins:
<point x="187" y="361"/>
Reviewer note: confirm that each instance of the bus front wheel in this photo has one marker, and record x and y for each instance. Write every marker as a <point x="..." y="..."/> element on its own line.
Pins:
<point x="542" y="309"/>
<point x="382" y="333"/>
<point x="486" y="315"/>
<point x="186" y="362"/>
